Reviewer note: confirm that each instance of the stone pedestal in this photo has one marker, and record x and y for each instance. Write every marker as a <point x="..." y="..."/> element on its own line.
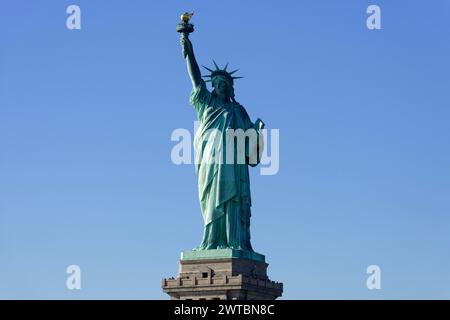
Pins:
<point x="223" y="274"/>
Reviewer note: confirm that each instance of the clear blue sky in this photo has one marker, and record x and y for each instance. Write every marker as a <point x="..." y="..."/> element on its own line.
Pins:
<point x="86" y="117"/>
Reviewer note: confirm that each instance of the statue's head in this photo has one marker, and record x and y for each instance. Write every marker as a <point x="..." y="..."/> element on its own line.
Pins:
<point x="222" y="87"/>
<point x="222" y="81"/>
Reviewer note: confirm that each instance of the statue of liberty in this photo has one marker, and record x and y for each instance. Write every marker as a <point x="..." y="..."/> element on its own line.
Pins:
<point x="223" y="186"/>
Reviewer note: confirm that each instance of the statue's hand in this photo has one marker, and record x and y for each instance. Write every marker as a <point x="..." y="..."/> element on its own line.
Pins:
<point x="259" y="124"/>
<point x="186" y="45"/>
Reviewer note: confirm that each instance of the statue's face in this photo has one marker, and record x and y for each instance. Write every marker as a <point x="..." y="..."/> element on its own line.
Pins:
<point x="222" y="88"/>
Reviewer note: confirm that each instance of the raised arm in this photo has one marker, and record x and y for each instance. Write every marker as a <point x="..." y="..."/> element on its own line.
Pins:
<point x="192" y="66"/>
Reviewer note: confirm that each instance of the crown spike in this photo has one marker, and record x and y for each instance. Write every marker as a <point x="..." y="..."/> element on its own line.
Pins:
<point x="237" y="77"/>
<point x="234" y="71"/>
<point x="225" y="68"/>
<point x="217" y="67"/>
<point x="207" y="69"/>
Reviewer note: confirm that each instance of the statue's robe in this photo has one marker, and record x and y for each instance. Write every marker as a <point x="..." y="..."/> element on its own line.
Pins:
<point x="224" y="189"/>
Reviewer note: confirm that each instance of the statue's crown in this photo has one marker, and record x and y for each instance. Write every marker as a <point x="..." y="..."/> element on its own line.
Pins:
<point x="220" y="72"/>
